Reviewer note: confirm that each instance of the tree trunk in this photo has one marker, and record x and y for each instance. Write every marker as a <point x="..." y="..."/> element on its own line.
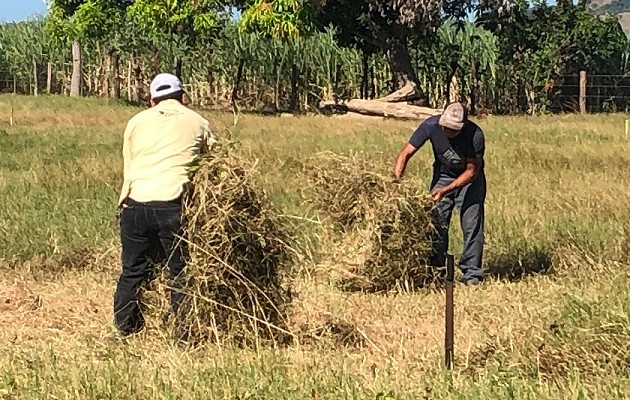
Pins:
<point x="276" y="88"/>
<point x="77" y="70"/>
<point x="35" y="78"/>
<point x="449" y="81"/>
<point x="237" y="83"/>
<point x="406" y="93"/>
<point x="107" y="74"/>
<point x="295" y="76"/>
<point x="116" y="81"/>
<point x="404" y="75"/>
<point x="373" y="83"/>
<point x="474" y="89"/>
<point x="365" y="78"/>
<point x="210" y="78"/>
<point x="137" y="73"/>
<point x="453" y="90"/>
<point x="129" y="84"/>
<point x="155" y="63"/>
<point x="381" y="108"/>
<point x="178" y="68"/>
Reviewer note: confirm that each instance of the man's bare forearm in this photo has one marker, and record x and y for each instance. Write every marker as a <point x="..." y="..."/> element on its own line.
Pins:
<point x="401" y="165"/>
<point x="403" y="158"/>
<point x="463" y="180"/>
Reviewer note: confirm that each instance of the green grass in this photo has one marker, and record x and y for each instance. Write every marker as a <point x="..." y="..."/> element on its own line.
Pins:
<point x="547" y="176"/>
<point x="557" y="196"/>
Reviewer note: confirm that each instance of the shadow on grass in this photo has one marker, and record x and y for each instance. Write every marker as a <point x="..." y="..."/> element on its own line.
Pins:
<point x="519" y="263"/>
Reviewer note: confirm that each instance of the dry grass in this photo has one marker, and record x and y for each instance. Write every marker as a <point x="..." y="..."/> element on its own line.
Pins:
<point x="241" y="258"/>
<point x="378" y="342"/>
<point x="554" y="202"/>
<point x="393" y="222"/>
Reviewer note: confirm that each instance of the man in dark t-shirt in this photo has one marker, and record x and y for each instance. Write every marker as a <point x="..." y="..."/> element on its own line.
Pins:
<point x="458" y="181"/>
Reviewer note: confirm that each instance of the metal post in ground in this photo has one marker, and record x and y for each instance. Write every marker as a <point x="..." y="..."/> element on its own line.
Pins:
<point x="448" y="332"/>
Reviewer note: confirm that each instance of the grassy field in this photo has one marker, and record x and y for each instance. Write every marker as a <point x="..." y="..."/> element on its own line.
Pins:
<point x="551" y="323"/>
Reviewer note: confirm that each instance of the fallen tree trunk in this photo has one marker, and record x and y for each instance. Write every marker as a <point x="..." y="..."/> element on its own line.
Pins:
<point x="380" y="108"/>
<point x="406" y="93"/>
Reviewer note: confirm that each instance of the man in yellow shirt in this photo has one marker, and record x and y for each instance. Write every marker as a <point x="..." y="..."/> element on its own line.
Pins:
<point x="160" y="145"/>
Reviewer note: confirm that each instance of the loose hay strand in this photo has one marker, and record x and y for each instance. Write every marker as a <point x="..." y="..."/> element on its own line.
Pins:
<point x="396" y="220"/>
<point x="239" y="270"/>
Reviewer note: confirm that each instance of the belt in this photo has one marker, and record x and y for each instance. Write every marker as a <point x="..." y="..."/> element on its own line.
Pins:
<point x="132" y="202"/>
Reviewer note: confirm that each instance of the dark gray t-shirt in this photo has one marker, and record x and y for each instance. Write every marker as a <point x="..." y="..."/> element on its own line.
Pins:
<point x="450" y="154"/>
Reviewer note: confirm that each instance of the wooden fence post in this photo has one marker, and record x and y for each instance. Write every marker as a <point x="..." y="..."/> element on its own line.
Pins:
<point x="49" y="78"/>
<point x="582" y="92"/>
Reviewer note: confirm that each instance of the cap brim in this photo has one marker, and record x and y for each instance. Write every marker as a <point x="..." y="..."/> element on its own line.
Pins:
<point x="158" y="95"/>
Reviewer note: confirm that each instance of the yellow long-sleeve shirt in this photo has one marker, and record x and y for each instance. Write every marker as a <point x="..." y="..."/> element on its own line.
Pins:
<point x="160" y="145"/>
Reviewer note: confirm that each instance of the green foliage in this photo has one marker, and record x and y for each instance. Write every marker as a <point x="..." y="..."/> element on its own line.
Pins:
<point x="183" y="16"/>
<point x="67" y="8"/>
<point x="539" y="45"/>
<point x="284" y="19"/>
<point x="22" y="43"/>
<point x="468" y="52"/>
<point x="86" y="19"/>
<point x="509" y="61"/>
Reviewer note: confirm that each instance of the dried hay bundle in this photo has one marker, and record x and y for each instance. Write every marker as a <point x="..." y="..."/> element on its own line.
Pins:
<point x="396" y="219"/>
<point x="240" y="257"/>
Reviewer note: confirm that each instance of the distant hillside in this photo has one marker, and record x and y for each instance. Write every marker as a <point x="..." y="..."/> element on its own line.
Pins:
<point x="620" y="7"/>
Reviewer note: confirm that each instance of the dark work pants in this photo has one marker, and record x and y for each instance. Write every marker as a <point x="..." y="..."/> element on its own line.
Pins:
<point x="143" y="226"/>
<point x="469" y="202"/>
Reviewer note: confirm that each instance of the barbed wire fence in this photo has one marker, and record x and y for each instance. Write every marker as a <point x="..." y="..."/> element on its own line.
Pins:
<point x="57" y="81"/>
<point x="577" y="93"/>
<point x="587" y="93"/>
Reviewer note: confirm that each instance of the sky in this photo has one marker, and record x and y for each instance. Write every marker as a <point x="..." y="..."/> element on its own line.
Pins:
<point x="18" y="10"/>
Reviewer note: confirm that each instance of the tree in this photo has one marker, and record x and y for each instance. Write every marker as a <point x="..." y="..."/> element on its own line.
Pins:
<point x="540" y="44"/>
<point x="182" y="22"/>
<point x="372" y="25"/>
<point x="466" y="55"/>
<point x="79" y="20"/>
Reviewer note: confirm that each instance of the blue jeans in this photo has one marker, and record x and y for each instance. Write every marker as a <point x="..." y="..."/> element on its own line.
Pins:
<point x="148" y="231"/>
<point x="469" y="201"/>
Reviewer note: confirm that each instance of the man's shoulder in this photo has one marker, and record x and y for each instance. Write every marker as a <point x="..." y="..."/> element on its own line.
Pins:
<point x="139" y="116"/>
<point x="429" y="124"/>
<point x="473" y="130"/>
<point x="195" y="115"/>
<point x="433" y="120"/>
<point x="154" y="111"/>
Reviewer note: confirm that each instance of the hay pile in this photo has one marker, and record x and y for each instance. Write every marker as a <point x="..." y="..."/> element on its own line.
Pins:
<point x="394" y="221"/>
<point x="240" y="256"/>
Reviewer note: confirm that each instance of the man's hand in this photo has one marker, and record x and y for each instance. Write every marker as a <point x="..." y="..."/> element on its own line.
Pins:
<point x="472" y="168"/>
<point x="438" y="194"/>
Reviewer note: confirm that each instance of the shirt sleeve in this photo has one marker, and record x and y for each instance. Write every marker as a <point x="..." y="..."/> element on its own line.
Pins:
<point x="419" y="137"/>
<point x="126" y="153"/>
<point x="208" y="138"/>
<point x="127" y="150"/>
<point x="479" y="143"/>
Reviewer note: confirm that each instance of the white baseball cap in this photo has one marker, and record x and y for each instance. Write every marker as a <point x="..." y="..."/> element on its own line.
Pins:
<point x="453" y="117"/>
<point x="165" y="84"/>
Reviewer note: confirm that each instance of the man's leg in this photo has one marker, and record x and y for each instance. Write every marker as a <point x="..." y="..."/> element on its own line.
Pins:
<point x="442" y="219"/>
<point x="136" y="243"/>
<point x="472" y="215"/>
<point x="157" y="258"/>
<point x="171" y="230"/>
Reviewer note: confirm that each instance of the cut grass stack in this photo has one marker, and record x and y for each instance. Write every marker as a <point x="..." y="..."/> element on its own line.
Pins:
<point x="395" y="219"/>
<point x="240" y="258"/>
